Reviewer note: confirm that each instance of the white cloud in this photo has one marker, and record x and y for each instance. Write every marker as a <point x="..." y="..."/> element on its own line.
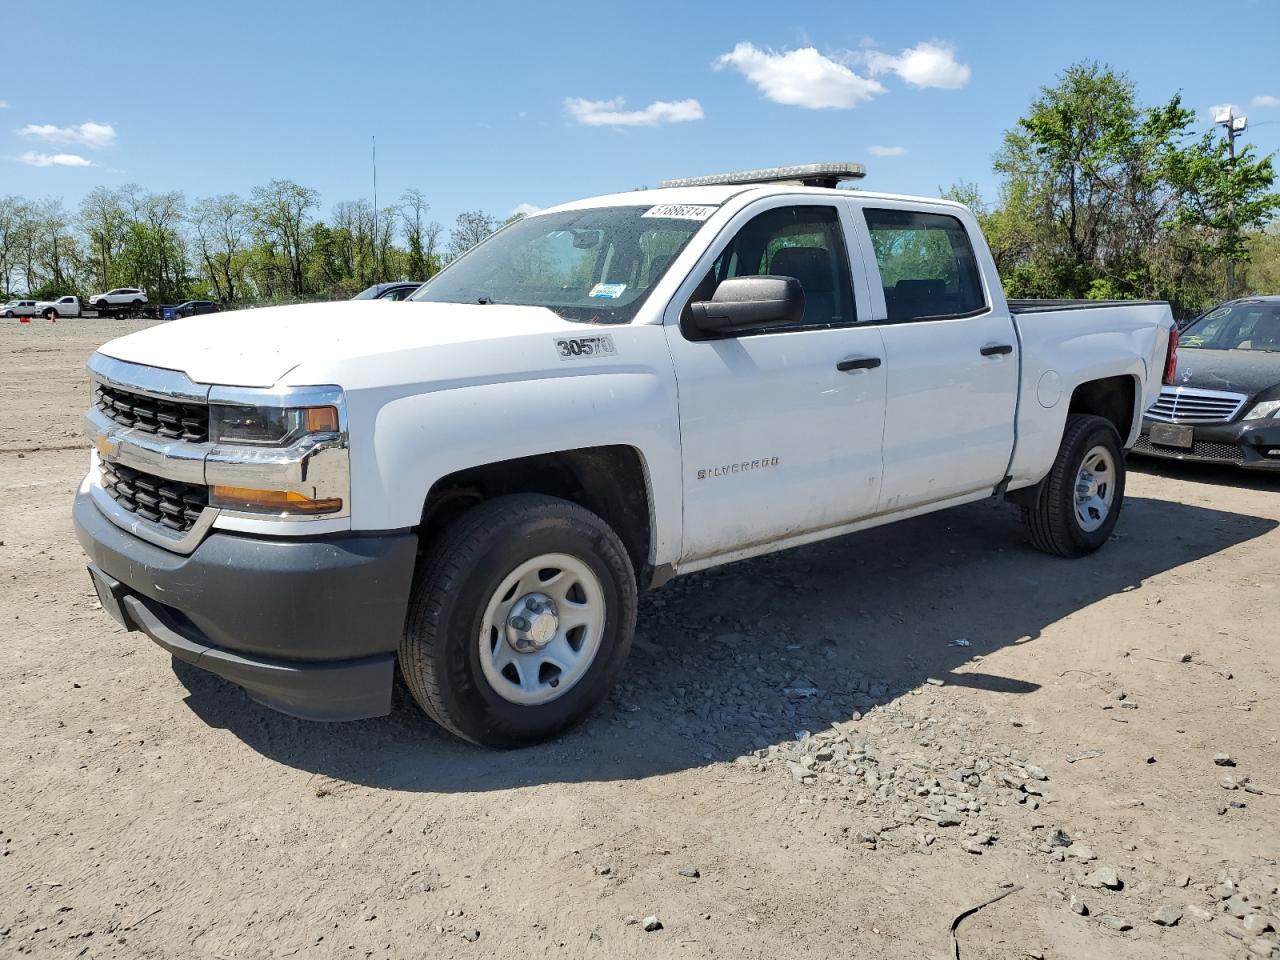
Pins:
<point x="610" y="113"/>
<point x="879" y="151"/>
<point x="800" y="78"/>
<point x="1266" y="100"/>
<point x="524" y="210"/>
<point x="4" y="104"/>
<point x="33" y="159"/>
<point x="95" y="135"/>
<point x="927" y="64"/>
<point x="1220" y="109"/>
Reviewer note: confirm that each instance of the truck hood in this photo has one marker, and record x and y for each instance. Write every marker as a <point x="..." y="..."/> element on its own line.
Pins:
<point x="1239" y="371"/>
<point x="259" y="347"/>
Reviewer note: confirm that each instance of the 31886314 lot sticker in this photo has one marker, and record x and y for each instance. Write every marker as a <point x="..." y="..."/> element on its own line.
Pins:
<point x="575" y="348"/>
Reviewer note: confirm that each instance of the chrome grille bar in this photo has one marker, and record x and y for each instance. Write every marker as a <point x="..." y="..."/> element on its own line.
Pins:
<point x="1196" y="405"/>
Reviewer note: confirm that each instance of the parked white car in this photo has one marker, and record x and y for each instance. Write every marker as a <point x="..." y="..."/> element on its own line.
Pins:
<point x="121" y="297"/>
<point x="19" y="308"/>
<point x="62" y="307"/>
<point x="599" y="397"/>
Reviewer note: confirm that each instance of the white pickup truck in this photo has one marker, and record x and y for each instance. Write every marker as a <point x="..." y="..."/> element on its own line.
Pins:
<point x="475" y="483"/>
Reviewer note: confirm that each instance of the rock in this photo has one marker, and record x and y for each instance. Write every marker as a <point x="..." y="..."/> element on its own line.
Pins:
<point x="603" y="870"/>
<point x="1059" y="838"/>
<point x="1224" y="889"/>
<point x="1167" y="916"/>
<point x="471" y="936"/>
<point x="1256" y="924"/>
<point x="1228" y="783"/>
<point x="1036" y="773"/>
<point x="1223" y="760"/>
<point x="1261" y="947"/>
<point x="1112" y="922"/>
<point x="650" y="924"/>
<point x="1103" y="877"/>
<point x="1238" y="907"/>
<point x="690" y="872"/>
<point x="973" y="846"/>
<point x="1079" y="906"/>
<point x="1082" y="853"/>
<point x="1197" y="912"/>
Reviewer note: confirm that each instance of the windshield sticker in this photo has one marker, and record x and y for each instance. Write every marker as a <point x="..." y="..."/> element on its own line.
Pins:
<point x="679" y="211"/>
<point x="607" y="291"/>
<point x="573" y="348"/>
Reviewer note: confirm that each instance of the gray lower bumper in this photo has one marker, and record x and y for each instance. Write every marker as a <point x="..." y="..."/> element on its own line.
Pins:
<point x="309" y="627"/>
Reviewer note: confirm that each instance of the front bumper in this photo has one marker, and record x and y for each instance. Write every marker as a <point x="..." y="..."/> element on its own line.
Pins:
<point x="308" y="626"/>
<point x="1252" y="444"/>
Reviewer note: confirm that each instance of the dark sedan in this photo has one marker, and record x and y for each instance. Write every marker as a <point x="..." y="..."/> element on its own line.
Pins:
<point x="1225" y="404"/>
<point x="395" y="290"/>
<point x="192" y="308"/>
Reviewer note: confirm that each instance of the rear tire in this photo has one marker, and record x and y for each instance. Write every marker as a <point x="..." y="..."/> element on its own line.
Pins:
<point x="1075" y="507"/>
<point x="459" y="654"/>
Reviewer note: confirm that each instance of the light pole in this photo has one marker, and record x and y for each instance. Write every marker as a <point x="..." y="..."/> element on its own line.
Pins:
<point x="1227" y="119"/>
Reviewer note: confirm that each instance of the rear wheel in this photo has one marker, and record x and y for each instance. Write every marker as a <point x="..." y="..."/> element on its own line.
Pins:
<point x="51" y="314"/>
<point x="1076" y="506"/>
<point x="521" y="619"/>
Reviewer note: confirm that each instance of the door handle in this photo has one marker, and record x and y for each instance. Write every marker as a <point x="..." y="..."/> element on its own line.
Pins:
<point x="996" y="349"/>
<point x="857" y="363"/>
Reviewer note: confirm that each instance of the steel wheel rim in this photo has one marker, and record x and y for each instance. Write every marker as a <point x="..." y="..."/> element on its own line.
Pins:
<point x="563" y="634"/>
<point x="1095" y="488"/>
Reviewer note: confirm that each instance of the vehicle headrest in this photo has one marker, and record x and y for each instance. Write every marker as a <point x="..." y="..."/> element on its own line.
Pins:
<point x="810" y="265"/>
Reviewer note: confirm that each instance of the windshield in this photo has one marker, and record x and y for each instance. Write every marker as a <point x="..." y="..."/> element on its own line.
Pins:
<point x="593" y="266"/>
<point x="1236" y="326"/>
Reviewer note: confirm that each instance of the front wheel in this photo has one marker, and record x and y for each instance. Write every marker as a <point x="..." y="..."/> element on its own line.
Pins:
<point x="521" y="619"/>
<point x="1076" y="506"/>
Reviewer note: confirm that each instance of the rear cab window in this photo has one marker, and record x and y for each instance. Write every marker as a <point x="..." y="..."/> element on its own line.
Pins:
<point x="927" y="265"/>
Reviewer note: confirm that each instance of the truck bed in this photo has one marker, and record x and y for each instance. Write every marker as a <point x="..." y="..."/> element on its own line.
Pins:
<point x="1055" y="306"/>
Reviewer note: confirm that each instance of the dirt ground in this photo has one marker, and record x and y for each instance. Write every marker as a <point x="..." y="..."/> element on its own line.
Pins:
<point x="802" y="760"/>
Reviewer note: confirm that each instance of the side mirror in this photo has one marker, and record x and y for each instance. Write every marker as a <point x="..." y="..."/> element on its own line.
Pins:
<point x="743" y="304"/>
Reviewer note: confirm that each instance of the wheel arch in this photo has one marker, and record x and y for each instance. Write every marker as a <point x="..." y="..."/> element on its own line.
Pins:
<point x="611" y="481"/>
<point x="1115" y="399"/>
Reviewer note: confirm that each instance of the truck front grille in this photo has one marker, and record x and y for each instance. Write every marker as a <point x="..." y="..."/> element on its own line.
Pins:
<point x="169" y="503"/>
<point x="1193" y="405"/>
<point x="174" y="419"/>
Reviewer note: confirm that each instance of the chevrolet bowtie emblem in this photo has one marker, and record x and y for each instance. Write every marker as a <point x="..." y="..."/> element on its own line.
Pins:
<point x="106" y="448"/>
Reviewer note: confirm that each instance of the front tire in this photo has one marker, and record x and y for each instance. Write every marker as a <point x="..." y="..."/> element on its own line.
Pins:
<point x="1076" y="506"/>
<point x="521" y="619"/>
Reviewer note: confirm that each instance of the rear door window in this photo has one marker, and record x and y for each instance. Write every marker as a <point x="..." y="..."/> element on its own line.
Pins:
<point x="927" y="265"/>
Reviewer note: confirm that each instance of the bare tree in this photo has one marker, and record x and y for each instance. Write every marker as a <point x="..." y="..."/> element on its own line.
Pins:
<point x="281" y="213"/>
<point x="221" y="226"/>
<point x="469" y="229"/>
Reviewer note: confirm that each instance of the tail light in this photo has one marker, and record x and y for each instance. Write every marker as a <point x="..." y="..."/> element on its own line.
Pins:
<point x="1171" y="358"/>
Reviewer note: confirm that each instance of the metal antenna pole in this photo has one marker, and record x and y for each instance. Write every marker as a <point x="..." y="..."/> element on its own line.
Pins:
<point x="374" y="139"/>
<point x="1234" y="126"/>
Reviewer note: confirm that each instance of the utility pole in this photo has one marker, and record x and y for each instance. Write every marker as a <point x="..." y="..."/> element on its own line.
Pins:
<point x="1234" y="126"/>
<point x="375" y="204"/>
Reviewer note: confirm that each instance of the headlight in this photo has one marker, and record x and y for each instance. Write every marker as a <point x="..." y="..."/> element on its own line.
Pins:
<point x="285" y="462"/>
<point x="1267" y="408"/>
<point x="268" y="426"/>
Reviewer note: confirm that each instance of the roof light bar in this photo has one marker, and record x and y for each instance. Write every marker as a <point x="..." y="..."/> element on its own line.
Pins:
<point x="808" y="174"/>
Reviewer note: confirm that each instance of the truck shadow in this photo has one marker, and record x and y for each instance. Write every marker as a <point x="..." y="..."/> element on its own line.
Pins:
<point x="745" y="656"/>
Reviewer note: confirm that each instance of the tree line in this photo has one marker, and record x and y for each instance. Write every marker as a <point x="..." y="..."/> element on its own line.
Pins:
<point x="1100" y="197"/>
<point x="1103" y="197"/>
<point x="268" y="247"/>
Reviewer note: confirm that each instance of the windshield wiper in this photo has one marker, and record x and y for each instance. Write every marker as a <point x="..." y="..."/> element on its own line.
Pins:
<point x="484" y="300"/>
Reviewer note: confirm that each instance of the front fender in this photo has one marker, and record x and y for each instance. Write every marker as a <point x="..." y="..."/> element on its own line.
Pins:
<point x="418" y="439"/>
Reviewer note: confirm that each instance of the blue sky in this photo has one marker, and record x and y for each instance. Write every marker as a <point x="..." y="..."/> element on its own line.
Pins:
<point x="494" y="105"/>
